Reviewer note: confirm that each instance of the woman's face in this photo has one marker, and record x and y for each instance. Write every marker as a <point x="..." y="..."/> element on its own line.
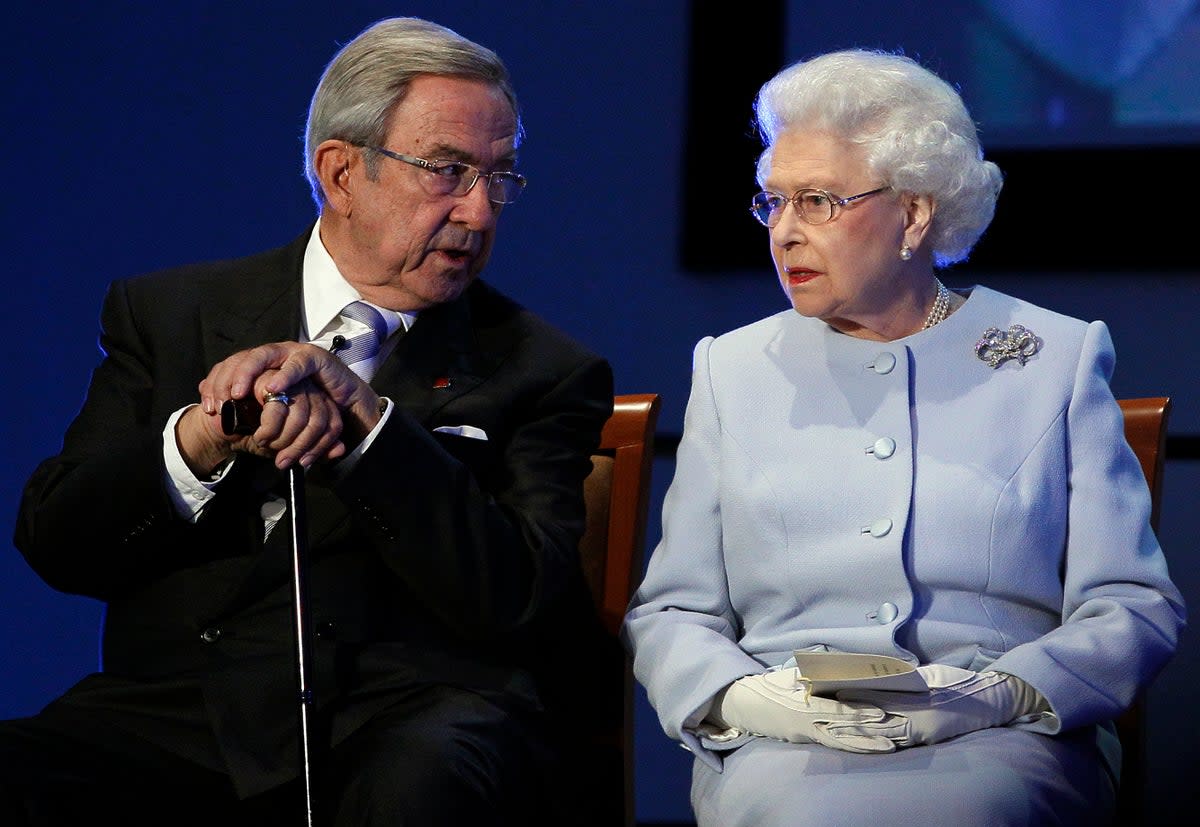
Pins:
<point x="848" y="271"/>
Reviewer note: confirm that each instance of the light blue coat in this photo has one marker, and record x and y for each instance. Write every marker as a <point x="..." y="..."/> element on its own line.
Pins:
<point x="906" y="498"/>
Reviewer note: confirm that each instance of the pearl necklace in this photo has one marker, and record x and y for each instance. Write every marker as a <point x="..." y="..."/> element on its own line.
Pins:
<point x="941" y="305"/>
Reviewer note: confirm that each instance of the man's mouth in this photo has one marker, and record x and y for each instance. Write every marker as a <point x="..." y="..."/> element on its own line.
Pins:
<point x="455" y="256"/>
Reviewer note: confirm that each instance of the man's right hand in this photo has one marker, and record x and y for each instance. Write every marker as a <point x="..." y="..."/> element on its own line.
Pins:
<point x="282" y="366"/>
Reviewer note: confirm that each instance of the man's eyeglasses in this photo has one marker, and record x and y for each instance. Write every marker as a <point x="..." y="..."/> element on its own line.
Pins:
<point x="457" y="178"/>
<point x="812" y="205"/>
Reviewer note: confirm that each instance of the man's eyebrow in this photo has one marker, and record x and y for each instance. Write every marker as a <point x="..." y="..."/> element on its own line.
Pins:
<point x="447" y="152"/>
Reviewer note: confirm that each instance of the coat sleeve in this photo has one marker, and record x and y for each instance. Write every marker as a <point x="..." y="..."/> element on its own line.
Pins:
<point x="680" y="626"/>
<point x="96" y="519"/>
<point x="1121" y="613"/>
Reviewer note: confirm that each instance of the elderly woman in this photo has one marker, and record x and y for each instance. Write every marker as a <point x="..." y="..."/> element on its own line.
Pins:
<point x="895" y="468"/>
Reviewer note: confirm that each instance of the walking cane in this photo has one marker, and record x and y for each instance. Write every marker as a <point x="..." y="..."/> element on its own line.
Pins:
<point x="303" y="624"/>
<point x="242" y="417"/>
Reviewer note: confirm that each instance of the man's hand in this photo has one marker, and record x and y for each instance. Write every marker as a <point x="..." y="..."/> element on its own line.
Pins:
<point x="326" y="400"/>
<point x="292" y="362"/>
<point x="778" y="705"/>
<point x="306" y="429"/>
<point x="958" y="701"/>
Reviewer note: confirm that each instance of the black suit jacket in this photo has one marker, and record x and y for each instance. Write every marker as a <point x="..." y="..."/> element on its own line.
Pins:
<point x="437" y="559"/>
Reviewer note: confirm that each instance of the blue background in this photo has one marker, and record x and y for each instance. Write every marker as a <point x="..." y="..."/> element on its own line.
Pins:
<point x="145" y="135"/>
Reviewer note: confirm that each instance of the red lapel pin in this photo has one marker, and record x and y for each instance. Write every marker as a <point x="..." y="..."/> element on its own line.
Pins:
<point x="441" y="383"/>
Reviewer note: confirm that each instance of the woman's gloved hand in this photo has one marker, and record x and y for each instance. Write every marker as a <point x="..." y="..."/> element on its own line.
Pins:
<point x="778" y="705"/>
<point x="958" y="701"/>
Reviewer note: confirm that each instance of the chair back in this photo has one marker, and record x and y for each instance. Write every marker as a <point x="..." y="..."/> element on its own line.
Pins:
<point x="617" y="493"/>
<point x="1146" y="433"/>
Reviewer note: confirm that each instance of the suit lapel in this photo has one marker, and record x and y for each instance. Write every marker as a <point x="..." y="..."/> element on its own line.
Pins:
<point x="439" y="360"/>
<point x="263" y="306"/>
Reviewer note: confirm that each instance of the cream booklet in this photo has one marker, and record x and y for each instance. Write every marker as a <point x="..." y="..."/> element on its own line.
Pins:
<point x="830" y="671"/>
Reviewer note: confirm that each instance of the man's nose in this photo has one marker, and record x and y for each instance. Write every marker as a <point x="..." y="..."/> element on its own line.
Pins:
<point x="474" y="209"/>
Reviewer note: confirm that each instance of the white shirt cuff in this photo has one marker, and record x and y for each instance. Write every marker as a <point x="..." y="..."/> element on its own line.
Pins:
<point x="188" y="493"/>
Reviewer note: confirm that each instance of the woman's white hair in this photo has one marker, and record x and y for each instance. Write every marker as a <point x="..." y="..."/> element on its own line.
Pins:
<point x="913" y="127"/>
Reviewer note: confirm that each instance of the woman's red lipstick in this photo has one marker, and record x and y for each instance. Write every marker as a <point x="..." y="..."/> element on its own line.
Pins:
<point x="799" y="275"/>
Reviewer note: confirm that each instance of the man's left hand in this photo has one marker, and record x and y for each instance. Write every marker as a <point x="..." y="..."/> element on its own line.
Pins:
<point x="958" y="701"/>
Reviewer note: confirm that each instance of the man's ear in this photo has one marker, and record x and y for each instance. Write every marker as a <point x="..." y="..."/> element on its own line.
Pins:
<point x="332" y="163"/>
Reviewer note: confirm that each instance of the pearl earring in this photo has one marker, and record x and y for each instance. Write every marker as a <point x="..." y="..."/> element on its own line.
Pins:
<point x="905" y="253"/>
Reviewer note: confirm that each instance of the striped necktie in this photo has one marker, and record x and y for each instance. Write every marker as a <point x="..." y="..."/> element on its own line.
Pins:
<point x="361" y="351"/>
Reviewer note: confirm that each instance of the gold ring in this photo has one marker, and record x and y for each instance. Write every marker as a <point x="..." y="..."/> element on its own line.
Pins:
<point x="276" y="397"/>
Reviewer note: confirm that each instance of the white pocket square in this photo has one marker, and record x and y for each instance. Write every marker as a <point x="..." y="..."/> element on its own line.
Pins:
<point x="469" y="431"/>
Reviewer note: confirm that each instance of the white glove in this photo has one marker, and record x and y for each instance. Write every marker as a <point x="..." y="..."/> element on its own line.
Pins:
<point x="778" y="705"/>
<point x="958" y="701"/>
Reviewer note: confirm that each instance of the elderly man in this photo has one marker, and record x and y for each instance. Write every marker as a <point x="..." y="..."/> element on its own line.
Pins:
<point x="446" y="432"/>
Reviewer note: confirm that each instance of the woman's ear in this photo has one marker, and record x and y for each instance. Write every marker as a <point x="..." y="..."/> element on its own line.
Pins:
<point x="919" y="210"/>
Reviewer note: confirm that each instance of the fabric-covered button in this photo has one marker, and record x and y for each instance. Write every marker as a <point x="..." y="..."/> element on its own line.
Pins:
<point x="884" y="363"/>
<point x="885" y="614"/>
<point x="883" y="448"/>
<point x="879" y="528"/>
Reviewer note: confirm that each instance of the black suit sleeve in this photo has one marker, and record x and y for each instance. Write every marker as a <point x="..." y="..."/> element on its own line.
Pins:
<point x="96" y="519"/>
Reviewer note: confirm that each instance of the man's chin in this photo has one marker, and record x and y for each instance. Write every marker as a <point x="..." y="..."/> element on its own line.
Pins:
<point x="448" y="285"/>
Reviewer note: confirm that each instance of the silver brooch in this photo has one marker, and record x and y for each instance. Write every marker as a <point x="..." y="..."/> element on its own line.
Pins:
<point x="996" y="345"/>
